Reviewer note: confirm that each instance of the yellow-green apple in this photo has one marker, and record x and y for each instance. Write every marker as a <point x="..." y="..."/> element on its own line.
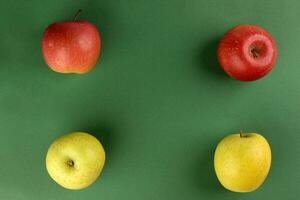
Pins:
<point x="242" y="161"/>
<point x="75" y="160"/>
<point x="71" y="46"/>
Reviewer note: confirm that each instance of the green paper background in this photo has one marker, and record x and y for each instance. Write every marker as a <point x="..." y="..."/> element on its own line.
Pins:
<point x="157" y="98"/>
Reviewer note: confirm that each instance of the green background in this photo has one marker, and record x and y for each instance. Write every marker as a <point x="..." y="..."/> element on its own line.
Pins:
<point x="157" y="98"/>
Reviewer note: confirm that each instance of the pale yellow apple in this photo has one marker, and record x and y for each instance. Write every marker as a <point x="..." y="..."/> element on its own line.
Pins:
<point x="75" y="160"/>
<point x="242" y="161"/>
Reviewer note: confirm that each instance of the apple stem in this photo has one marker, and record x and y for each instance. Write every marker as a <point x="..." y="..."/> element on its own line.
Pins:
<point x="70" y="163"/>
<point x="255" y="52"/>
<point x="76" y="15"/>
<point x="241" y="134"/>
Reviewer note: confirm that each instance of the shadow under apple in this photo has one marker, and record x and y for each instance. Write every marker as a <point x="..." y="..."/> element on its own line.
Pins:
<point x="203" y="174"/>
<point x="209" y="61"/>
<point x="105" y="134"/>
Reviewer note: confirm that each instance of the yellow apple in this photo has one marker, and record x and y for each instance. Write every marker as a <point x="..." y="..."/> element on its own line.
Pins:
<point x="75" y="160"/>
<point x="242" y="161"/>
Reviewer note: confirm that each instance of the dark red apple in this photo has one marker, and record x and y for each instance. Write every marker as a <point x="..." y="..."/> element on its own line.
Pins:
<point x="247" y="52"/>
<point x="71" y="46"/>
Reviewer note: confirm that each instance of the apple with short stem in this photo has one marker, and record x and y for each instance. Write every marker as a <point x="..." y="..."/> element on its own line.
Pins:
<point x="242" y="161"/>
<point x="75" y="160"/>
<point x="247" y="52"/>
<point x="71" y="46"/>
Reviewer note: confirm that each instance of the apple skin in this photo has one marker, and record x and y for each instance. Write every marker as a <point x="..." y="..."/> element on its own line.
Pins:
<point x="71" y="47"/>
<point x="242" y="162"/>
<point x="75" y="160"/>
<point x="247" y="52"/>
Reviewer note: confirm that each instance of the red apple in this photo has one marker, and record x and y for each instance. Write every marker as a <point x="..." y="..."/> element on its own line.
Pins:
<point x="71" y="46"/>
<point x="247" y="52"/>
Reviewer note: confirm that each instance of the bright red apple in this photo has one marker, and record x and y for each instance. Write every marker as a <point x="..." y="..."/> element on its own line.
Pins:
<point x="71" y="46"/>
<point x="247" y="52"/>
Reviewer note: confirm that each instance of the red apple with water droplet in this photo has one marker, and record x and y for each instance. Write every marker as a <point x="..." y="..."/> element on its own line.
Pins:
<point x="247" y="52"/>
<point x="71" y="46"/>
